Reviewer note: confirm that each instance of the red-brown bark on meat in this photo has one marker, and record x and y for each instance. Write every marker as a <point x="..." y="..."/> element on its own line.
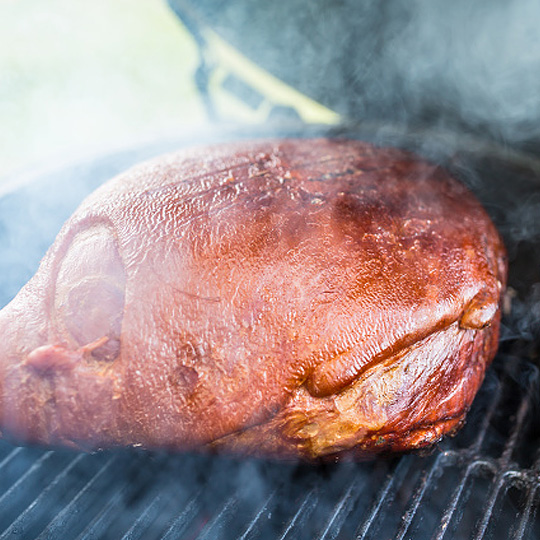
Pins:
<point x="293" y="298"/>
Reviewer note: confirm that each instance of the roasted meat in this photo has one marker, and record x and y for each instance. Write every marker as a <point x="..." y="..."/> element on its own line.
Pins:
<point x="285" y="298"/>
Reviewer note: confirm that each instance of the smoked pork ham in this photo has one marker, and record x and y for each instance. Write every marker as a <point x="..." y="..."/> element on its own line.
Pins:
<point x="293" y="298"/>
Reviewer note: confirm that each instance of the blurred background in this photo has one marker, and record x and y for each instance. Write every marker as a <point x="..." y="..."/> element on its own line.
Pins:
<point x="86" y="78"/>
<point x="78" y="77"/>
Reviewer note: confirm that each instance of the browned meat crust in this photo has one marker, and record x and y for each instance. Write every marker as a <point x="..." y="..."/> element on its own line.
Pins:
<point x="292" y="298"/>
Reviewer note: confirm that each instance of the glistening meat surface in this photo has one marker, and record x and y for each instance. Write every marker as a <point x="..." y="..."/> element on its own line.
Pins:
<point x="293" y="298"/>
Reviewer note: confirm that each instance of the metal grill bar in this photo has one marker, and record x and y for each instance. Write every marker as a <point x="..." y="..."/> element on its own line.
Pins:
<point x="516" y="431"/>
<point x="10" y="457"/>
<point x="19" y="528"/>
<point x="9" y="499"/>
<point x="151" y="510"/>
<point x="495" y="401"/>
<point x="474" y="449"/>
<point x="384" y="495"/>
<point x="307" y="506"/>
<point x="525" y="514"/>
<point x="4" y="452"/>
<point x="263" y="510"/>
<point x="341" y="511"/>
<point x="184" y="519"/>
<point x="419" y="494"/>
<point x="503" y="463"/>
<point x="529" y="509"/>
<point x="456" y="497"/>
<point x="488" y="508"/>
<point x="79" y="505"/>
<point x="99" y="524"/>
<point x="218" y="521"/>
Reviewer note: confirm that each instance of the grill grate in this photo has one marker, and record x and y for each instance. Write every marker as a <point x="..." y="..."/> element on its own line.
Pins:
<point x="484" y="483"/>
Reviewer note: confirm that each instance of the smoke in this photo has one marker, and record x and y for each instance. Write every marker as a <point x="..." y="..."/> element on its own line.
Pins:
<point x="449" y="64"/>
<point x="472" y="65"/>
<point x="479" y="62"/>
